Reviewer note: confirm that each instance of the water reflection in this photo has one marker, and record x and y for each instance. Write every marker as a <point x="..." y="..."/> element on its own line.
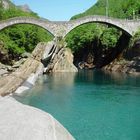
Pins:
<point x="104" y="77"/>
<point x="65" y="79"/>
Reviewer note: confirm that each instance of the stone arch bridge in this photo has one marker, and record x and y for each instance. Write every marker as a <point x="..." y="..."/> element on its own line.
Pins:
<point x="62" y="28"/>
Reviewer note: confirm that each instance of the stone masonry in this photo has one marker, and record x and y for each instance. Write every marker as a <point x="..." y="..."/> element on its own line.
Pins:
<point x="62" y="28"/>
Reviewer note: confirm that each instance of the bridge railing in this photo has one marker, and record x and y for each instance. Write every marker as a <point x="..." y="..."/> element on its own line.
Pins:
<point x="137" y="17"/>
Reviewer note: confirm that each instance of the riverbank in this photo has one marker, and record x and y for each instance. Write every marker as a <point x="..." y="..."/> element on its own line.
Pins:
<point x="25" y="122"/>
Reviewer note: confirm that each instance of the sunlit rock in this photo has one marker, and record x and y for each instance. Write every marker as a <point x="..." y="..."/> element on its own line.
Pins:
<point x="22" y="122"/>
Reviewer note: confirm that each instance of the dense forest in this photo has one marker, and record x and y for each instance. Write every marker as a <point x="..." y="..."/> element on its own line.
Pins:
<point x="99" y="44"/>
<point x="18" y="39"/>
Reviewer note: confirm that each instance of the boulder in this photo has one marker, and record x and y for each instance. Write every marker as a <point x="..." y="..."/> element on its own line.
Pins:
<point x="64" y="62"/>
<point x="22" y="122"/>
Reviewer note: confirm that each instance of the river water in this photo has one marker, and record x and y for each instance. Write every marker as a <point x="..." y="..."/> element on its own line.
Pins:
<point x="92" y="105"/>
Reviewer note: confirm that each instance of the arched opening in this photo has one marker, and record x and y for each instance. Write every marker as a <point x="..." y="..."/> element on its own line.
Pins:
<point x="95" y="45"/>
<point x="19" y="40"/>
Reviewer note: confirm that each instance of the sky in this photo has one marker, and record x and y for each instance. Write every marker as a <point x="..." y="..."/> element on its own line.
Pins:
<point x="57" y="10"/>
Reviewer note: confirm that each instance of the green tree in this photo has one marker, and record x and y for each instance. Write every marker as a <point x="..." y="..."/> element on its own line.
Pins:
<point x="18" y="39"/>
<point x="1" y="9"/>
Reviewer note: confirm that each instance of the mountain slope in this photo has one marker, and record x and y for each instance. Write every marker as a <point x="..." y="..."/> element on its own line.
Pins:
<point x="6" y="4"/>
<point x="18" y="39"/>
<point x="9" y="10"/>
<point x="116" y="8"/>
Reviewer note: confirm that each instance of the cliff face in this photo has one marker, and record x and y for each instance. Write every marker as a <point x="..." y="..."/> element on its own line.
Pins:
<point x="61" y="61"/>
<point x="65" y="62"/>
<point x="25" y="8"/>
<point x="6" y="4"/>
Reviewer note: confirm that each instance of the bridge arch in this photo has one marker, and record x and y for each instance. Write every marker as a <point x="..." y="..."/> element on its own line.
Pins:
<point x="27" y="20"/>
<point x="123" y="25"/>
<point x="59" y="28"/>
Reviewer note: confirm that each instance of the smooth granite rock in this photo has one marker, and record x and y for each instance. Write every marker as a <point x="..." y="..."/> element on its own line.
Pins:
<point x="22" y="122"/>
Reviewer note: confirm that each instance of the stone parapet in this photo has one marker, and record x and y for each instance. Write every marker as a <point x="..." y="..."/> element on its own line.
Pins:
<point x="62" y="28"/>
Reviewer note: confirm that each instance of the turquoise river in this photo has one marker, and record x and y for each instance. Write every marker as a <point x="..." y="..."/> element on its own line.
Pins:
<point x="92" y="105"/>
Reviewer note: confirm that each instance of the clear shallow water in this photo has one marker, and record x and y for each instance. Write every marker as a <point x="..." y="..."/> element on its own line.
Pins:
<point x="92" y="105"/>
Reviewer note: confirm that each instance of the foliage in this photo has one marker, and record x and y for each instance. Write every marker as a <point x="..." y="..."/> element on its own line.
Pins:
<point x="21" y="38"/>
<point x="109" y="37"/>
<point x="82" y="35"/>
<point x="135" y="38"/>
<point x="1" y="10"/>
<point x="85" y="35"/>
<point x="119" y="9"/>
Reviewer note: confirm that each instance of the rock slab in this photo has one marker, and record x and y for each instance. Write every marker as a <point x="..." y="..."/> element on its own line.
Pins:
<point x="22" y="122"/>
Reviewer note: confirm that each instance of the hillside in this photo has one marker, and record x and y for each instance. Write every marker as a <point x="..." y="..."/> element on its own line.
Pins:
<point x="116" y="8"/>
<point x="18" y="39"/>
<point x="9" y="10"/>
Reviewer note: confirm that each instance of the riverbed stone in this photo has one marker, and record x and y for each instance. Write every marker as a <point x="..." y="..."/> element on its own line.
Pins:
<point x="22" y="122"/>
